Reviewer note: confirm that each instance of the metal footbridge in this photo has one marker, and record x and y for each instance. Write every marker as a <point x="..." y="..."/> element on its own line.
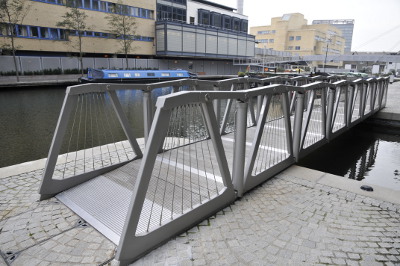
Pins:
<point x="205" y="144"/>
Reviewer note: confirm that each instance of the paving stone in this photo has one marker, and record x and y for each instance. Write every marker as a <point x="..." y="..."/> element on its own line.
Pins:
<point x="286" y="221"/>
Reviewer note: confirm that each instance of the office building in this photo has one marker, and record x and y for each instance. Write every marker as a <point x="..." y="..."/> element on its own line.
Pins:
<point x="290" y="33"/>
<point x="201" y="29"/>
<point x="346" y="26"/>
<point x="39" y="34"/>
<point x="184" y="28"/>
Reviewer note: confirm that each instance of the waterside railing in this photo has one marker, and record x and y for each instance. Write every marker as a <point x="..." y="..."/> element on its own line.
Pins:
<point x="206" y="144"/>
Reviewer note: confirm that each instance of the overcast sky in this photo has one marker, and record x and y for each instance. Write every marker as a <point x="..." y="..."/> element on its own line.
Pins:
<point x="376" y="27"/>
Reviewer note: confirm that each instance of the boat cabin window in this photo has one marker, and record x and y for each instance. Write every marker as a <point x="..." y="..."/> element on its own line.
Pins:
<point x="151" y="74"/>
<point x="179" y="74"/>
<point x="127" y="75"/>
<point x="113" y="75"/>
<point x="137" y="74"/>
<point x="164" y="74"/>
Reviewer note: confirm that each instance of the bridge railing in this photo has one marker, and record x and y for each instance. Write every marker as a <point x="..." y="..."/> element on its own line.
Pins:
<point x="192" y="178"/>
<point x="185" y="174"/>
<point x="325" y="110"/>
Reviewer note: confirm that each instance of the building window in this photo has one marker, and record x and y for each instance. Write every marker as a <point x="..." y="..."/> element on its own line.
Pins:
<point x="291" y="38"/>
<point x="22" y="31"/>
<point x="273" y="31"/>
<point x="182" y="2"/>
<point x="263" y="32"/>
<point x="235" y="24"/>
<point x="105" y="6"/>
<point x="227" y="22"/>
<point x="244" y="25"/>
<point x="263" y="40"/>
<point x="216" y="19"/>
<point x="290" y="48"/>
<point x="34" y="32"/>
<point x="171" y="13"/>
<point x="271" y="40"/>
<point x="298" y="38"/>
<point x="204" y="17"/>
<point x="297" y="48"/>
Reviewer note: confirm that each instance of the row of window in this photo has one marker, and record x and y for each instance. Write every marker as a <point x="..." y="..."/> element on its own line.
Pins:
<point x="182" y="2"/>
<point x="171" y="13"/>
<point x="292" y="38"/>
<point x="32" y="32"/>
<point x="218" y="20"/>
<point x="295" y="47"/>
<point x="104" y="6"/>
<point x="35" y="32"/>
<point x="266" y="40"/>
<point x="330" y="50"/>
<point x="266" y="32"/>
<point x="108" y="35"/>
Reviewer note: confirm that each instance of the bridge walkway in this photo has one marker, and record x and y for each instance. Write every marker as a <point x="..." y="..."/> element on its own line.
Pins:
<point x="204" y="149"/>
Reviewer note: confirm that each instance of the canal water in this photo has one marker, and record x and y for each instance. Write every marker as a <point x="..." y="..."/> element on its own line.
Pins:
<point x="366" y="153"/>
<point x="28" y="119"/>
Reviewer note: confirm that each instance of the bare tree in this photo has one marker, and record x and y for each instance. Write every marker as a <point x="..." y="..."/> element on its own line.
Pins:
<point x="74" y="20"/>
<point x="12" y="14"/>
<point x="124" y="28"/>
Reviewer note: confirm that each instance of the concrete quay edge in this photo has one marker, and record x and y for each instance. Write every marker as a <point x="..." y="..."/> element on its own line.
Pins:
<point x="317" y="177"/>
<point x="342" y="183"/>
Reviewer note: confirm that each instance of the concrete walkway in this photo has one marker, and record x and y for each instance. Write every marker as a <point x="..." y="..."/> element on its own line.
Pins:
<point x="299" y="217"/>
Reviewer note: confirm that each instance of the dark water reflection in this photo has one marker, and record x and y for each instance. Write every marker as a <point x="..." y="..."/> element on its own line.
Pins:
<point x="28" y="118"/>
<point x="364" y="153"/>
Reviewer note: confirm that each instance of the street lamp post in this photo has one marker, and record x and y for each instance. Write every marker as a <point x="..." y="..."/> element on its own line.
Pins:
<point x="326" y="52"/>
<point x="263" y="61"/>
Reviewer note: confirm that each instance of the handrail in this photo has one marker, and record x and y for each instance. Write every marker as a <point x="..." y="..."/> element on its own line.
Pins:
<point x="185" y="174"/>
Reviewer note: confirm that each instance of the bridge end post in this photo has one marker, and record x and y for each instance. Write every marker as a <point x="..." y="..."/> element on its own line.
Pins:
<point x="239" y="154"/>
<point x="298" y="125"/>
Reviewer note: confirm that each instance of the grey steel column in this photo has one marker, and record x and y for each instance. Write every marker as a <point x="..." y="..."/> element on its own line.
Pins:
<point x="298" y="124"/>
<point x="329" y="116"/>
<point x="217" y="106"/>
<point x="45" y="189"/>
<point x="147" y="113"/>
<point x="351" y="103"/>
<point x="239" y="153"/>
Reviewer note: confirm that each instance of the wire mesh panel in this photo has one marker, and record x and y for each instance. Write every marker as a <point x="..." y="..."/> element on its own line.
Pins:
<point x="356" y="103"/>
<point x="314" y="120"/>
<point x="185" y="174"/>
<point x="273" y="147"/>
<point x="339" y="119"/>
<point x="94" y="138"/>
<point x="91" y="137"/>
<point x="368" y="97"/>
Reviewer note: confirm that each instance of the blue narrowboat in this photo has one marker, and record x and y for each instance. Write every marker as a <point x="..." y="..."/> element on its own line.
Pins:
<point x="108" y="75"/>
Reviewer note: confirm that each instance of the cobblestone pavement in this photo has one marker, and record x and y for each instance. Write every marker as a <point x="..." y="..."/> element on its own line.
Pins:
<point x="286" y="221"/>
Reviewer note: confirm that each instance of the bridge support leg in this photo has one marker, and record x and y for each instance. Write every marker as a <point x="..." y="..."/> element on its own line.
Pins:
<point x="147" y="113"/>
<point x="240" y="148"/>
<point x="298" y="125"/>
